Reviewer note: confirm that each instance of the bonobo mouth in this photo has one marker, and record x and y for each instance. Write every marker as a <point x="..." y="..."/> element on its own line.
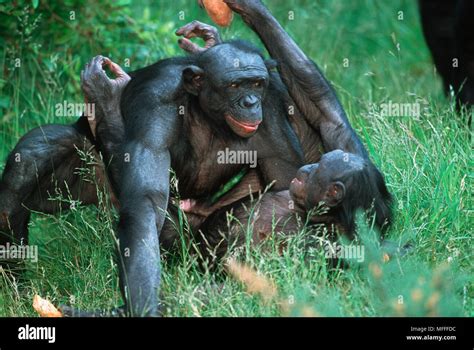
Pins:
<point x="297" y="191"/>
<point x="240" y="128"/>
<point x="297" y="187"/>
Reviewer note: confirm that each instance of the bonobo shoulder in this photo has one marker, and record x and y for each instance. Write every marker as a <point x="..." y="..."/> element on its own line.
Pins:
<point x="161" y="79"/>
<point x="277" y="93"/>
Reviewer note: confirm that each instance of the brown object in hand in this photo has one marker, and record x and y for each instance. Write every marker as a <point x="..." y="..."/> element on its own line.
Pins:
<point x="44" y="307"/>
<point x="219" y="12"/>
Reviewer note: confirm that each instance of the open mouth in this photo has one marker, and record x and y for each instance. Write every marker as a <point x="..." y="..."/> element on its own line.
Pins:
<point x="240" y="128"/>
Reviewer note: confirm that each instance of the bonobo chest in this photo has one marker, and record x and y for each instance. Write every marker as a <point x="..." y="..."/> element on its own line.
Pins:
<point x="203" y="159"/>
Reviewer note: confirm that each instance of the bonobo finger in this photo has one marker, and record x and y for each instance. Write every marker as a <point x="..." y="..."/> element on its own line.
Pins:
<point x="184" y="29"/>
<point x="86" y="71"/>
<point x="98" y="61"/>
<point x="189" y="30"/>
<point x="93" y="69"/>
<point x="200" y="30"/>
<point x="188" y="46"/>
<point x="97" y="72"/>
<point x="115" y="68"/>
<point x="200" y="3"/>
<point x="180" y="31"/>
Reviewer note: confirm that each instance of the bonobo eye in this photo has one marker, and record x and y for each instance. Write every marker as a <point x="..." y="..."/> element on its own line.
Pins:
<point x="258" y="83"/>
<point x="234" y="85"/>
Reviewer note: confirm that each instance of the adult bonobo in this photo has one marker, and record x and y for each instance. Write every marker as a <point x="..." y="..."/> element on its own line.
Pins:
<point x="180" y="112"/>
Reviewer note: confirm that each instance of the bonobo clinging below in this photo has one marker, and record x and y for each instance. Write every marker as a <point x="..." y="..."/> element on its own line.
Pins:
<point x="179" y="113"/>
<point x="325" y="195"/>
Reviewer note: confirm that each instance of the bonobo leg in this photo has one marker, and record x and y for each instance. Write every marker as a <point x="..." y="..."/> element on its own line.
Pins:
<point x="306" y="84"/>
<point x="43" y="165"/>
<point x="449" y="33"/>
<point x="437" y="19"/>
<point x="141" y="182"/>
<point x="143" y="200"/>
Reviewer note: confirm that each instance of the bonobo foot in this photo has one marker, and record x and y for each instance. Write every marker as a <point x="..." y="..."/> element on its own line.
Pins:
<point x="100" y="90"/>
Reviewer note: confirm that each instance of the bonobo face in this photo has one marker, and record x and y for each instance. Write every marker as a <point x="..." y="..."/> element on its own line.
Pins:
<point x="327" y="181"/>
<point x="232" y="87"/>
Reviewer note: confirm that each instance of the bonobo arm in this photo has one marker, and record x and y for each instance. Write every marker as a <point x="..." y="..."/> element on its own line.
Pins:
<point x="306" y="84"/>
<point x="106" y="123"/>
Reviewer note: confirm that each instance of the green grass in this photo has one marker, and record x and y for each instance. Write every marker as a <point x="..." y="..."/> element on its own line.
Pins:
<point x="427" y="162"/>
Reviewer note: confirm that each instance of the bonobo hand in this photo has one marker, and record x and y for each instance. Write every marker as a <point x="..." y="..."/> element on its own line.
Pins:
<point x="197" y="29"/>
<point x="245" y="8"/>
<point x="98" y="87"/>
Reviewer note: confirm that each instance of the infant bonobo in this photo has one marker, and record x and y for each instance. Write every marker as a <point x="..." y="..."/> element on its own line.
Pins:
<point x="327" y="193"/>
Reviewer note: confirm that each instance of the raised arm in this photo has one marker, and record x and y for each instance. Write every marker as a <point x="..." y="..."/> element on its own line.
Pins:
<point x="306" y="84"/>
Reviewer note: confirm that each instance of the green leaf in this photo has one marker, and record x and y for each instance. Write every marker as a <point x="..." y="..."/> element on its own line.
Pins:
<point x="35" y="3"/>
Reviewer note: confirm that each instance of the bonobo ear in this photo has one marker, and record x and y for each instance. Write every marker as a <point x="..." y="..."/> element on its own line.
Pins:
<point x="335" y="194"/>
<point x="271" y="64"/>
<point x="192" y="79"/>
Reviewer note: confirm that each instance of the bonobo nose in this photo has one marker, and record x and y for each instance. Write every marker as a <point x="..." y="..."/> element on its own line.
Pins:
<point x="305" y="170"/>
<point x="249" y="101"/>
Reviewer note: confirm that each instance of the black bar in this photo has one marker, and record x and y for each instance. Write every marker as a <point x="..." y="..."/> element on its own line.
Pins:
<point x="334" y="333"/>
